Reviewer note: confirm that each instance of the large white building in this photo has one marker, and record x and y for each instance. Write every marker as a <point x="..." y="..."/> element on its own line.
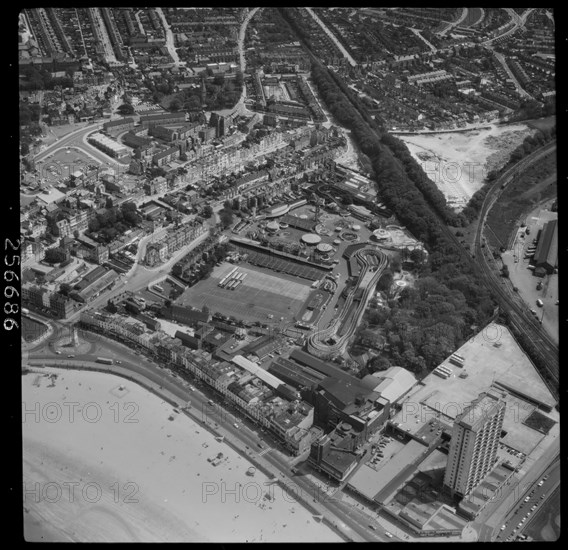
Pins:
<point x="474" y="444"/>
<point x="107" y="145"/>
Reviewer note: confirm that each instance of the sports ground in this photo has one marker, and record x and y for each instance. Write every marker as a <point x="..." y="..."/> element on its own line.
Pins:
<point x="262" y="294"/>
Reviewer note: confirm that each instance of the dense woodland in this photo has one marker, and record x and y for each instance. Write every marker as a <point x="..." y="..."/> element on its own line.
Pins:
<point x="448" y="302"/>
<point x="431" y="320"/>
<point x="530" y="144"/>
<point x="114" y="221"/>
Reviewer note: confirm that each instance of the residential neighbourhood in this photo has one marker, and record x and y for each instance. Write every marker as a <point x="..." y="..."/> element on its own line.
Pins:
<point x="243" y="219"/>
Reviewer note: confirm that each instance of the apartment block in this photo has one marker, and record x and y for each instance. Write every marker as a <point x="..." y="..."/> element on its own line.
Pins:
<point x="474" y="444"/>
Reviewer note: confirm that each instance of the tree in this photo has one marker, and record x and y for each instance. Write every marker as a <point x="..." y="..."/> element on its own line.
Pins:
<point x="417" y="256"/>
<point x="65" y="289"/>
<point x="378" y="363"/>
<point x="94" y="225"/>
<point x="55" y="255"/>
<point x="175" y="105"/>
<point x="227" y="218"/>
<point x="126" y="109"/>
<point x="385" y="282"/>
<point x="207" y="211"/>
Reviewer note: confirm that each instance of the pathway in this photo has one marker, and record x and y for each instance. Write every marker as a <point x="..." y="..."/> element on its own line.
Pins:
<point x="456" y="23"/>
<point x="419" y="35"/>
<point x="339" y="45"/>
<point x="170" y="43"/>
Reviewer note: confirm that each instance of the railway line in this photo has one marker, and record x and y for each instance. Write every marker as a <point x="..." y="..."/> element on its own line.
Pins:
<point x="540" y="345"/>
<point x="534" y="340"/>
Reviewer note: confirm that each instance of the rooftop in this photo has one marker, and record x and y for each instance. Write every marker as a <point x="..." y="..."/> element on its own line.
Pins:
<point x="488" y="366"/>
<point x="474" y="416"/>
<point x="369" y="482"/>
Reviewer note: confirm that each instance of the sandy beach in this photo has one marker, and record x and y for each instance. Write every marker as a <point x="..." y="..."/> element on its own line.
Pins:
<point x="105" y="460"/>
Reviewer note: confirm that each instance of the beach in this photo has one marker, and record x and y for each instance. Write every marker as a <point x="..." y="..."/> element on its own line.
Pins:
<point x="106" y="460"/>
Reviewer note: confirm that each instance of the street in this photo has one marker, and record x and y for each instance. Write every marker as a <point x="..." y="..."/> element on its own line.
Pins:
<point x="352" y="522"/>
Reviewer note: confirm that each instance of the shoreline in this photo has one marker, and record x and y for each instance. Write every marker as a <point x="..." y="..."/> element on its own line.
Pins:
<point x="175" y="515"/>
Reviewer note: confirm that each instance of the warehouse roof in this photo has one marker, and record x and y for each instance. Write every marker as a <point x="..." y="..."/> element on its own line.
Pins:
<point x="547" y="249"/>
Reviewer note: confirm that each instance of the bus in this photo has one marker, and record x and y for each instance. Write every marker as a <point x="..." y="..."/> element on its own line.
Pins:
<point x="104" y="360"/>
<point x="158" y="288"/>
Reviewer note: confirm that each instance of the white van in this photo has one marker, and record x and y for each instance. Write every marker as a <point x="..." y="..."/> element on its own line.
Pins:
<point x="539" y="303"/>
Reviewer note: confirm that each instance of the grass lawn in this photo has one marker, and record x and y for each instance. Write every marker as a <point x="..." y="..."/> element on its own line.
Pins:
<point x="261" y="294"/>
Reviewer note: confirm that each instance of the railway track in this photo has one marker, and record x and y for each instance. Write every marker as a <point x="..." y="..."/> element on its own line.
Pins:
<point x="540" y="344"/>
<point x="535" y="341"/>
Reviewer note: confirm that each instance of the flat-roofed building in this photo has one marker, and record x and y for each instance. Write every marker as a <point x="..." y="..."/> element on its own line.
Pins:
<point x="546" y="255"/>
<point x="107" y="145"/>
